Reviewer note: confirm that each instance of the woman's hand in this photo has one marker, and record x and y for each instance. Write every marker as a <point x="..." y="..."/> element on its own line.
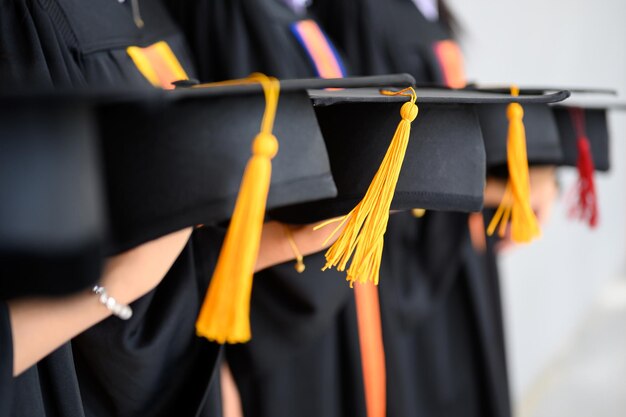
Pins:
<point x="543" y="193"/>
<point x="276" y="249"/>
<point x="40" y="325"/>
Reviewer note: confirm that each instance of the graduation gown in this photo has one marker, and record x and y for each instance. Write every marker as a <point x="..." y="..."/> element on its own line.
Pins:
<point x="304" y="357"/>
<point x="442" y="320"/>
<point x="234" y="38"/>
<point x="153" y="364"/>
<point x="6" y="361"/>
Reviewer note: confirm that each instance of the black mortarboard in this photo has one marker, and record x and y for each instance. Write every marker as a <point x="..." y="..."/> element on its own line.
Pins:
<point x="595" y="124"/>
<point x="444" y="168"/>
<point x="176" y="159"/>
<point x="596" y="130"/>
<point x="592" y="105"/>
<point x="584" y="134"/>
<point x="543" y="146"/>
<point x="51" y="216"/>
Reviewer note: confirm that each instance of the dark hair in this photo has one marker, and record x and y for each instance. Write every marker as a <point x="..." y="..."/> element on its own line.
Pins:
<point x="449" y="20"/>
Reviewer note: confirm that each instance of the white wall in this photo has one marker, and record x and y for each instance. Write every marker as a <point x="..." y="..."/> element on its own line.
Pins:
<point x="549" y="287"/>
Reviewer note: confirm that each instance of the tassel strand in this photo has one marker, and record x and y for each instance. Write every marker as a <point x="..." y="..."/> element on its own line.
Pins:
<point x="362" y="240"/>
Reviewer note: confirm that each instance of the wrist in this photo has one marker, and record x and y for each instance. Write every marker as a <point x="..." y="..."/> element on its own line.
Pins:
<point x="115" y="307"/>
<point x="299" y="266"/>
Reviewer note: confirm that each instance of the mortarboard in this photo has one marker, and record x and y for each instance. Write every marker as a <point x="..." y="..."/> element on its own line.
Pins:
<point x="596" y="131"/>
<point x="594" y="111"/>
<point x="584" y="133"/>
<point x="175" y="159"/>
<point x="543" y="146"/>
<point x="52" y="220"/>
<point x="596" y="125"/>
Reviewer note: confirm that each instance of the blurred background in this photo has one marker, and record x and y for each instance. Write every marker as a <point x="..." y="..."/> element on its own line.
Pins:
<point x="564" y="296"/>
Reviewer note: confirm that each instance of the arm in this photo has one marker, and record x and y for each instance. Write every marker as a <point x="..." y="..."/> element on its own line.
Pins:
<point x="275" y="248"/>
<point x="41" y="325"/>
<point x="543" y="191"/>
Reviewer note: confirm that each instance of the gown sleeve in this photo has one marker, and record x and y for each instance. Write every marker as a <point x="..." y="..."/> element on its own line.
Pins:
<point x="154" y="364"/>
<point x="6" y="360"/>
<point x="231" y="39"/>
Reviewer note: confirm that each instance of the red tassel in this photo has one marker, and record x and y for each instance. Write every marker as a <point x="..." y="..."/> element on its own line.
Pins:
<point x="586" y="208"/>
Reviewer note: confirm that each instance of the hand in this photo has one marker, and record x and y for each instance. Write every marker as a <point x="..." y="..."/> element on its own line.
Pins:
<point x="494" y="192"/>
<point x="544" y="191"/>
<point x="543" y="194"/>
<point x="275" y="248"/>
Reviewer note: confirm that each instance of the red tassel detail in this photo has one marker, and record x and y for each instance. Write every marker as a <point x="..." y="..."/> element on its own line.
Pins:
<point x="586" y="208"/>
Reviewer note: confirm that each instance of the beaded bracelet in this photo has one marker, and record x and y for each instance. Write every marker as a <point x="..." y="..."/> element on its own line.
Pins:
<point x="122" y="311"/>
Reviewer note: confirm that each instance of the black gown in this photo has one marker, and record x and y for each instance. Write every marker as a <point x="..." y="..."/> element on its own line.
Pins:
<point x="304" y="357"/>
<point x="234" y="38"/>
<point x="152" y="365"/>
<point x="6" y="361"/>
<point x="440" y="299"/>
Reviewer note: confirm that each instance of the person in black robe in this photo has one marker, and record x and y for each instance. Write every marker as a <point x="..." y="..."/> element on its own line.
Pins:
<point x="115" y="368"/>
<point x="442" y="322"/>
<point x="445" y="347"/>
<point x="153" y="364"/>
<point x="304" y="357"/>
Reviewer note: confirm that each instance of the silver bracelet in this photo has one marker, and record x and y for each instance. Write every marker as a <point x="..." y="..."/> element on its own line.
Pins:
<point x="122" y="311"/>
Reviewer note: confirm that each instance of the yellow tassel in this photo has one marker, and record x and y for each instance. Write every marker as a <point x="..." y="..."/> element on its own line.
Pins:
<point x="515" y="204"/>
<point x="225" y="313"/>
<point x="365" y="226"/>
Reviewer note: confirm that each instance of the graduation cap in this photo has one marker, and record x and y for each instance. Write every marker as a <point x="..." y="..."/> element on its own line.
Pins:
<point x="175" y="159"/>
<point x="584" y="134"/>
<point x="543" y="146"/>
<point x="204" y="155"/>
<point x="444" y="161"/>
<point x="593" y="108"/>
<point x="444" y="164"/>
<point x="515" y="137"/>
<point x="542" y="150"/>
<point x="51" y="216"/>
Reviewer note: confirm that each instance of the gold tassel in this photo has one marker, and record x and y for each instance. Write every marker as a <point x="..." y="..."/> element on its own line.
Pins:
<point x="366" y="224"/>
<point x="515" y="204"/>
<point x="225" y="313"/>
